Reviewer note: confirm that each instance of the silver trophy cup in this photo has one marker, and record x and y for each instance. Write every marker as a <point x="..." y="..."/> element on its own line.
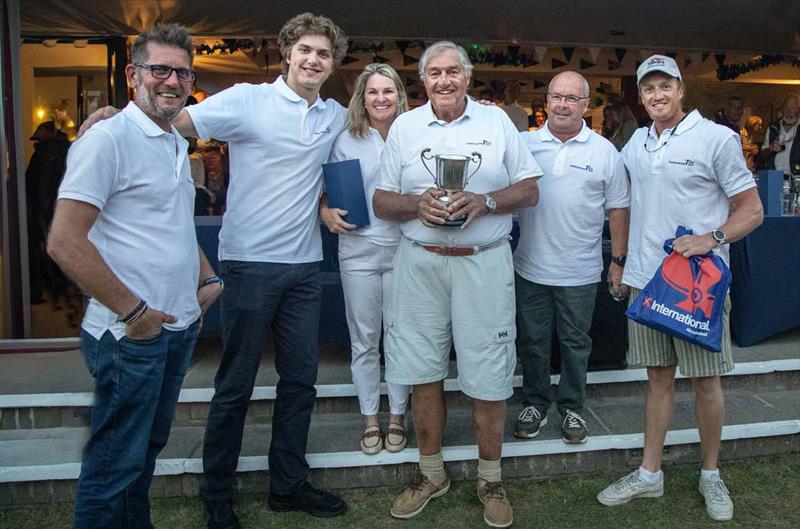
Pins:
<point x="452" y="175"/>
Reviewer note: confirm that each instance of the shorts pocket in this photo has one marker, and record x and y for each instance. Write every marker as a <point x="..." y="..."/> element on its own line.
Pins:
<point x="505" y="338"/>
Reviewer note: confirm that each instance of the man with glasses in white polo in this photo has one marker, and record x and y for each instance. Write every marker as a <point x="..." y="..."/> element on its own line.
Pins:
<point x="558" y="260"/>
<point x="124" y="231"/>
<point x="684" y="170"/>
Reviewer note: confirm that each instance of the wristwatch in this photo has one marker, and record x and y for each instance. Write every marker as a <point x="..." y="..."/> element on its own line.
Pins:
<point x="490" y="203"/>
<point x="619" y="260"/>
<point x="719" y="236"/>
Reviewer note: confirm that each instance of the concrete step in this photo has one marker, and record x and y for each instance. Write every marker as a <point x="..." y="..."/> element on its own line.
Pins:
<point x="42" y="465"/>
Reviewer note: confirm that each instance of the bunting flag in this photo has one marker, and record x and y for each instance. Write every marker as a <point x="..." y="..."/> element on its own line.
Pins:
<point x="478" y="83"/>
<point x="555" y="63"/>
<point x="379" y="58"/>
<point x="705" y="56"/>
<point x="402" y="45"/>
<point x="568" y="51"/>
<point x="720" y="57"/>
<point x="612" y="65"/>
<point x="594" y="53"/>
<point x="586" y="64"/>
<point x="410" y="81"/>
<point x="538" y="84"/>
<point x="348" y="59"/>
<point x="620" y="53"/>
<point x="408" y="59"/>
<point x="540" y="51"/>
<point x="671" y="54"/>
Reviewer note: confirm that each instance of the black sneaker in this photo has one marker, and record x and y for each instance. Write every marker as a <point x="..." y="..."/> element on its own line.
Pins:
<point x="529" y="422"/>
<point x="219" y="514"/>
<point x="308" y="499"/>
<point x="573" y="429"/>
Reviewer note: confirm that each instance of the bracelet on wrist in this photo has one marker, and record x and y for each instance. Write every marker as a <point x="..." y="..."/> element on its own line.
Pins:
<point x="211" y="280"/>
<point x="133" y="315"/>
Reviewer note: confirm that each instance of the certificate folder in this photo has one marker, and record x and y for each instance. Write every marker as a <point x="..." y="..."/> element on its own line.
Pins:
<point x="345" y="187"/>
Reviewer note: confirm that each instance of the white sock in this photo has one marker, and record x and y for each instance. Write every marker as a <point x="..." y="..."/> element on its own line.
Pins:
<point x="433" y="468"/>
<point x="650" y="477"/>
<point x="489" y="470"/>
<point x="709" y="474"/>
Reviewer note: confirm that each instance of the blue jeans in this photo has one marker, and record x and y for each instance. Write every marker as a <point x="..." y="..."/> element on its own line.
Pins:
<point x="538" y="306"/>
<point x="263" y="299"/>
<point x="136" y="389"/>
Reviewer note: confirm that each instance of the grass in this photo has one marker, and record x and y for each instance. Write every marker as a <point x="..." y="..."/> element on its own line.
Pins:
<point x="765" y="490"/>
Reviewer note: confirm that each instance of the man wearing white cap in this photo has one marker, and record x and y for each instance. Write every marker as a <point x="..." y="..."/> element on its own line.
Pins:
<point x="684" y="170"/>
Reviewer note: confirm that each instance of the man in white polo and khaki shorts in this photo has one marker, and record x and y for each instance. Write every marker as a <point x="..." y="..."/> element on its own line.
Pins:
<point x="454" y="285"/>
<point x="684" y="170"/>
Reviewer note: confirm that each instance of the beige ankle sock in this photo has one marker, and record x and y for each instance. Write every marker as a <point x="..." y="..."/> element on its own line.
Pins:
<point x="489" y="470"/>
<point x="433" y="468"/>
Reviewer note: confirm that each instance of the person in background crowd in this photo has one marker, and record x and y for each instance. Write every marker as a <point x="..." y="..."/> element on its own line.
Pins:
<point x="684" y="170"/>
<point x="486" y="94"/>
<point x="454" y="285"/>
<point x="618" y="124"/>
<point x="780" y="151"/>
<point x="558" y="260"/>
<point x="42" y="178"/>
<point x="516" y="113"/>
<point x="204" y="199"/>
<point x="754" y="125"/>
<point x="124" y="231"/>
<point x="536" y="121"/>
<point x="732" y="114"/>
<point x="366" y="254"/>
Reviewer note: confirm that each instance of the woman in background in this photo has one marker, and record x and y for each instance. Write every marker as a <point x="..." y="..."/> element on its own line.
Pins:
<point x="365" y="254"/>
<point x="618" y="124"/>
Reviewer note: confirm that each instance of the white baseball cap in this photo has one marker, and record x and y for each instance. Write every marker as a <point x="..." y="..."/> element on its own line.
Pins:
<point x="658" y="63"/>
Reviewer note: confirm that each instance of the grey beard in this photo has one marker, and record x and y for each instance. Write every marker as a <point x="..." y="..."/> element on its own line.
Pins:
<point x="149" y="106"/>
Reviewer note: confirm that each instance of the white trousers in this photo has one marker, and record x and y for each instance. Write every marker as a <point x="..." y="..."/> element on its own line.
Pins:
<point x="366" y="272"/>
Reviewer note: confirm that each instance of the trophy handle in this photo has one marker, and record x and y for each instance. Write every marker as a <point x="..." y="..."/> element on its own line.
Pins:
<point x="423" y="158"/>
<point x="478" y="161"/>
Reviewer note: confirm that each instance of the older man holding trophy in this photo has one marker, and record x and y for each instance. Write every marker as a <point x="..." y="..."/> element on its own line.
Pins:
<point x="454" y="277"/>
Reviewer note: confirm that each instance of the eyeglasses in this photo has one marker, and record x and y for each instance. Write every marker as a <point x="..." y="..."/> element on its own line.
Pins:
<point x="557" y="98"/>
<point x="162" y="71"/>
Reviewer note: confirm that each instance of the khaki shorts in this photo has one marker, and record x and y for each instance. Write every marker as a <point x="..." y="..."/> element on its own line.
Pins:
<point x="650" y="348"/>
<point x="439" y="301"/>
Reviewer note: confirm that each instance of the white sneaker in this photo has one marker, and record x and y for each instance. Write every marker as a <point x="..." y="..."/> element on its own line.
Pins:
<point x="630" y="487"/>
<point x="718" y="501"/>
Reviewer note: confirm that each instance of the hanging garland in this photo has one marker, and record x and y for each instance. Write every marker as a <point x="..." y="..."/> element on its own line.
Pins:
<point x="729" y="72"/>
<point x="512" y="57"/>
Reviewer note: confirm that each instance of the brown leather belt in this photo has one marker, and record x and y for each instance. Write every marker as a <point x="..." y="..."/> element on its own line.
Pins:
<point x="461" y="251"/>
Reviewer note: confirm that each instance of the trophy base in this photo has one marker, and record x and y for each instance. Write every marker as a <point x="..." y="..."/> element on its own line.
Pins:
<point x="456" y="222"/>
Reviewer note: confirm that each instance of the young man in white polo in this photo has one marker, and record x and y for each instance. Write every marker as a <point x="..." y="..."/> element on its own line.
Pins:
<point x="684" y="170"/>
<point x="559" y="259"/>
<point x="279" y="135"/>
<point x="124" y="231"/>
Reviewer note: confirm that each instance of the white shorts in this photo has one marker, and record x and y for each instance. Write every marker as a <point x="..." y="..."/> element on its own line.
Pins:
<point x="439" y="301"/>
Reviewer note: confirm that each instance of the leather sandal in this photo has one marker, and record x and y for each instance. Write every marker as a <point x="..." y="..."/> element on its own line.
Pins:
<point x="372" y="440"/>
<point x="396" y="438"/>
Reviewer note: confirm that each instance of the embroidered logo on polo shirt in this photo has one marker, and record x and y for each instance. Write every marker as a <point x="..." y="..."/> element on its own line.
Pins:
<point x="588" y="167"/>
<point x="686" y="162"/>
<point x="326" y="131"/>
<point x="484" y="142"/>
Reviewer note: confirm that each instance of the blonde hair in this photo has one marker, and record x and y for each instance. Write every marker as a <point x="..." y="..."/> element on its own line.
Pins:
<point x="357" y="117"/>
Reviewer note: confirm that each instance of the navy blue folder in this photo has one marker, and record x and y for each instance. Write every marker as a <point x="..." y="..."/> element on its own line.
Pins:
<point x="345" y="187"/>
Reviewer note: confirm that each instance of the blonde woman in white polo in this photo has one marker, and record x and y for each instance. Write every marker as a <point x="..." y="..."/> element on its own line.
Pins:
<point x="365" y="254"/>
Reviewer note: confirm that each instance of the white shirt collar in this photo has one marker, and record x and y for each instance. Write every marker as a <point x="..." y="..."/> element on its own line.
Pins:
<point x="149" y="127"/>
<point x="583" y="135"/>
<point x="688" y="122"/>
<point x="431" y="117"/>
<point x="284" y="89"/>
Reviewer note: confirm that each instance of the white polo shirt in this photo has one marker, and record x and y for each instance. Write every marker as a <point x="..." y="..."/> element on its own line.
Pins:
<point x="786" y="138"/>
<point x="277" y="147"/>
<point x="367" y="151"/>
<point x="138" y="176"/>
<point x="696" y="167"/>
<point x="483" y="129"/>
<point x="561" y="238"/>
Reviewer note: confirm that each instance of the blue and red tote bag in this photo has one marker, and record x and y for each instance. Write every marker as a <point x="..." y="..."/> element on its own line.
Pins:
<point x="686" y="297"/>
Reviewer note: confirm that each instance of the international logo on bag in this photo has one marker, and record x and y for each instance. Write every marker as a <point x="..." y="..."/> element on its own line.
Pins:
<point x="685" y="297"/>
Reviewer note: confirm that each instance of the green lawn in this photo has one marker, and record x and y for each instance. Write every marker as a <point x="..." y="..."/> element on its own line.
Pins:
<point x="765" y="491"/>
